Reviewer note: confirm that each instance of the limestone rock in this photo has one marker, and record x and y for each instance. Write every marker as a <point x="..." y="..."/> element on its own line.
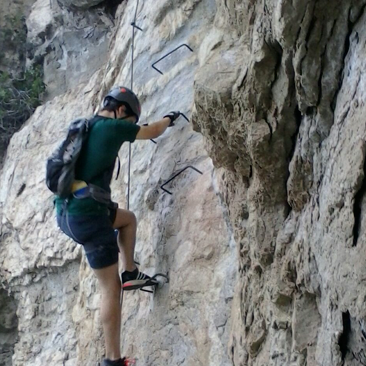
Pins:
<point x="265" y="249"/>
<point x="71" y="45"/>
<point x="300" y="77"/>
<point x="185" y="234"/>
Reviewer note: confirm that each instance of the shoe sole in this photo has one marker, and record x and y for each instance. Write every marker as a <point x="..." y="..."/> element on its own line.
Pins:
<point x="136" y="284"/>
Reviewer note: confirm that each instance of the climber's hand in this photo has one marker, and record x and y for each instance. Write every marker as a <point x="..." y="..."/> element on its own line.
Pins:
<point x="173" y="116"/>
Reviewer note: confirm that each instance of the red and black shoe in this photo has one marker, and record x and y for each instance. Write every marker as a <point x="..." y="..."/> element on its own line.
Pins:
<point x="121" y="362"/>
<point x="135" y="280"/>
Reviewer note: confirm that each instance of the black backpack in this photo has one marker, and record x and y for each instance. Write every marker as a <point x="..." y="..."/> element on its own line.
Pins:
<point x="60" y="169"/>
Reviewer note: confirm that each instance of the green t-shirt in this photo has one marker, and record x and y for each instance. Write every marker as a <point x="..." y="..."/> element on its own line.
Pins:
<point x="96" y="162"/>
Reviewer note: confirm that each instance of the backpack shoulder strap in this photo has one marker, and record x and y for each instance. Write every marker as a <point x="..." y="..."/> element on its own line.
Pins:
<point x="92" y="121"/>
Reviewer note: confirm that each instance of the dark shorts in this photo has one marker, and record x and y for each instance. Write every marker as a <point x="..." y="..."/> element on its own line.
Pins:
<point x="96" y="234"/>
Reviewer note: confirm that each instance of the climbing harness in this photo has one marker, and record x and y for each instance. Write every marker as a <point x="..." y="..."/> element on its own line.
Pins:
<point x="81" y="190"/>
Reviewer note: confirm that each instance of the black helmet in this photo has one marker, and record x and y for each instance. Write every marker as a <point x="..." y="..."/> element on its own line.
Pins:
<point x="125" y="96"/>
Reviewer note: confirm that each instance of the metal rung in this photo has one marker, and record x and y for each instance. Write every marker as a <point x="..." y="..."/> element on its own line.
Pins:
<point x="176" y="175"/>
<point x="169" y="53"/>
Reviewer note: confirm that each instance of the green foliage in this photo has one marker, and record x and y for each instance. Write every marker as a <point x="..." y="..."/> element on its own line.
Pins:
<point x="13" y="34"/>
<point x="18" y="100"/>
<point x="19" y="95"/>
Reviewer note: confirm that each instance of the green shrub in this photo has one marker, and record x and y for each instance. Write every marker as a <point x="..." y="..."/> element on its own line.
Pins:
<point x="13" y="35"/>
<point x="19" y="95"/>
<point x="18" y="100"/>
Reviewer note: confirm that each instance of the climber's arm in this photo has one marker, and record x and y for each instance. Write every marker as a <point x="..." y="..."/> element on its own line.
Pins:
<point x="154" y="130"/>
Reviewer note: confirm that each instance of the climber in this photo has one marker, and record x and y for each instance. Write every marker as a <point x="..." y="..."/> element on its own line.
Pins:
<point x="92" y="223"/>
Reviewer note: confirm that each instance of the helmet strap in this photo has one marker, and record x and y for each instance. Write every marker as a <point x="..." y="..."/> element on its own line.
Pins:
<point x="130" y="115"/>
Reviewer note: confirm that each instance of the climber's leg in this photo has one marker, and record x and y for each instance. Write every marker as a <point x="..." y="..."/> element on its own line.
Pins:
<point x="126" y="224"/>
<point x="110" y="310"/>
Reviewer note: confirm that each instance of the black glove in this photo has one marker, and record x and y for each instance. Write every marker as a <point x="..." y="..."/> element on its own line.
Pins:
<point x="173" y="116"/>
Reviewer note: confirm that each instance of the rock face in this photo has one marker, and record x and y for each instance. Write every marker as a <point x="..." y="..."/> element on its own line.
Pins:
<point x="284" y="124"/>
<point x="71" y="44"/>
<point x="264" y="250"/>
<point x="186" y="235"/>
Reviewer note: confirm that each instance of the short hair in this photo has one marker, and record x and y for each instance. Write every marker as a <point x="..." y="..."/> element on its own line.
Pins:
<point x="111" y="105"/>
